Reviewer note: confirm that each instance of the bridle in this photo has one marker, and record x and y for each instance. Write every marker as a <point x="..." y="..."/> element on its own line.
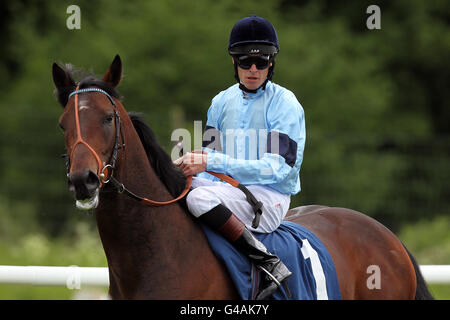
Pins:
<point x="105" y="172"/>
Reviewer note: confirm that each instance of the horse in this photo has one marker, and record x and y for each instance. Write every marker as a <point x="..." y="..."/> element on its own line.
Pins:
<point x="160" y="251"/>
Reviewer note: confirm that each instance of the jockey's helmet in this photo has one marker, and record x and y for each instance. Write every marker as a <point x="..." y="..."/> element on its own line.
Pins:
<point x="253" y="35"/>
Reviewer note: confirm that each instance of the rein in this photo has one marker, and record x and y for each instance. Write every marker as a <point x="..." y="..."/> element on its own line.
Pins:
<point x="256" y="205"/>
<point x="122" y="189"/>
<point x="105" y="172"/>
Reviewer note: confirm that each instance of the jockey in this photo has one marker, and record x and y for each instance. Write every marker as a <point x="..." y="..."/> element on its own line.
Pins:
<point x="255" y="132"/>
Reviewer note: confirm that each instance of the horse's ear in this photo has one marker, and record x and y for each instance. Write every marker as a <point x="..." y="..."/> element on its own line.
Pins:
<point x="64" y="83"/>
<point x="114" y="73"/>
<point x="61" y="78"/>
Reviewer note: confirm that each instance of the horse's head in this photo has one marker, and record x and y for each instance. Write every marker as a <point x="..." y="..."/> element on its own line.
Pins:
<point x="91" y="126"/>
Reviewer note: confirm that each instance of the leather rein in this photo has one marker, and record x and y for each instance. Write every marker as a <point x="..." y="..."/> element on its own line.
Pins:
<point x="105" y="172"/>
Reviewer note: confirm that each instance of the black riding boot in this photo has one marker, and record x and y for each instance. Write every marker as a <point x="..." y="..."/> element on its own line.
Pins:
<point x="223" y="220"/>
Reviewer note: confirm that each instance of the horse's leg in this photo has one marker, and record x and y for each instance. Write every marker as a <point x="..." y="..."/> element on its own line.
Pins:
<point x="370" y="261"/>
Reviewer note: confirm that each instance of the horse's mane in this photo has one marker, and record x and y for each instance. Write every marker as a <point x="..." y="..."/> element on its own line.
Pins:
<point x="88" y="80"/>
<point x="161" y="162"/>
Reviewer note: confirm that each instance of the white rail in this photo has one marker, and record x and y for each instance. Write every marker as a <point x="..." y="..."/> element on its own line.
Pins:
<point x="436" y="273"/>
<point x="75" y="277"/>
<point x="72" y="277"/>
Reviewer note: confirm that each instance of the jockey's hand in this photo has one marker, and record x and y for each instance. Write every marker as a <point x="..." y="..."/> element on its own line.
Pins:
<point x="192" y="162"/>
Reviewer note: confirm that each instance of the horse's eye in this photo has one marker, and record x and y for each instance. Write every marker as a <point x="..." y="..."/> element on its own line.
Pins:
<point x="108" y="119"/>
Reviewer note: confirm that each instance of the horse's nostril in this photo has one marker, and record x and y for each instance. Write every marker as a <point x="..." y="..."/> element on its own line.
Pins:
<point x="84" y="184"/>
<point x="92" y="179"/>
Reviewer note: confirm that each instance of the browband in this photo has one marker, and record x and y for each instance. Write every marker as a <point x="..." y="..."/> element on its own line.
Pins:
<point x="93" y="89"/>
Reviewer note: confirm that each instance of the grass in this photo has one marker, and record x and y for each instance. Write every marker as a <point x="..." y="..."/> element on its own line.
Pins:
<point x="440" y="291"/>
<point x="84" y="250"/>
<point x="429" y="243"/>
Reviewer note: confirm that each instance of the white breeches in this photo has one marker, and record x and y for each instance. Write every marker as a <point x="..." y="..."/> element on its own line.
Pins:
<point x="208" y="194"/>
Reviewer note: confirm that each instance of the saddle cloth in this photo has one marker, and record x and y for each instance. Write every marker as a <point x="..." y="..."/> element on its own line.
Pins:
<point x="314" y="275"/>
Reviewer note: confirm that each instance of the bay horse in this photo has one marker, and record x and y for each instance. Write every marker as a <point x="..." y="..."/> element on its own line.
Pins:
<point x="160" y="252"/>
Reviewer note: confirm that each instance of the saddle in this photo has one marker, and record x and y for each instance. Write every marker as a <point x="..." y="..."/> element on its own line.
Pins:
<point x="314" y="275"/>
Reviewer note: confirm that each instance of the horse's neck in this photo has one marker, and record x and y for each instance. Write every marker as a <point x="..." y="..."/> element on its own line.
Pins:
<point x="147" y="248"/>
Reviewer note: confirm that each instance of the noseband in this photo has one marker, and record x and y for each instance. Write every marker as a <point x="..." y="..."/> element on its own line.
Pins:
<point x="104" y="172"/>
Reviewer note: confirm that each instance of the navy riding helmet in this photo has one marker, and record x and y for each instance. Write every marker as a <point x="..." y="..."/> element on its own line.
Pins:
<point x="253" y="35"/>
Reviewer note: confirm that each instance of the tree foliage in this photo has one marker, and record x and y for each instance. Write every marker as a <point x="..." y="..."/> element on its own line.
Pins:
<point x="375" y="100"/>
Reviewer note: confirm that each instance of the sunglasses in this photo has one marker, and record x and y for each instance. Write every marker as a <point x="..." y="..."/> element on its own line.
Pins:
<point x="246" y="62"/>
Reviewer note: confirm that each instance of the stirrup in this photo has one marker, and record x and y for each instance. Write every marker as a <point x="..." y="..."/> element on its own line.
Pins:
<point x="278" y="284"/>
<point x="270" y="275"/>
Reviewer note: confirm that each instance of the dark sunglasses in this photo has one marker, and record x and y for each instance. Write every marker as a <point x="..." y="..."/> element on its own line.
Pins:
<point x="246" y="62"/>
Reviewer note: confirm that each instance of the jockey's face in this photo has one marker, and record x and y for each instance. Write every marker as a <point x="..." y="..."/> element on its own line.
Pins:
<point x="253" y="78"/>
